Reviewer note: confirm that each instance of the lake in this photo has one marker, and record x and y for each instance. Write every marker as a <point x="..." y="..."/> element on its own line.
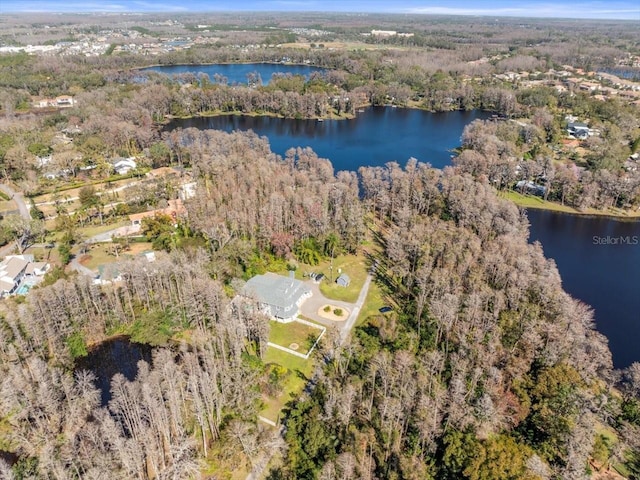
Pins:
<point x="603" y="275"/>
<point x="237" y="72"/>
<point x="115" y="355"/>
<point x="376" y="136"/>
<point x="599" y="261"/>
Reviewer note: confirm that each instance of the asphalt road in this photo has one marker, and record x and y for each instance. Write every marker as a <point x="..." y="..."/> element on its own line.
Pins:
<point x="22" y="208"/>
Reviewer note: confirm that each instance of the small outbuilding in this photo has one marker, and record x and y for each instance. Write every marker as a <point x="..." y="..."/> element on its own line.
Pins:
<point x="343" y="280"/>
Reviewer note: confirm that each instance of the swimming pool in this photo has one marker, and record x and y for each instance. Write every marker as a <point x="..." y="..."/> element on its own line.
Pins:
<point x="23" y="289"/>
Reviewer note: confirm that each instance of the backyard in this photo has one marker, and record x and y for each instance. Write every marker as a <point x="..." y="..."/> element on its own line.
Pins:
<point x="298" y="371"/>
<point x="102" y="253"/>
<point x="294" y="334"/>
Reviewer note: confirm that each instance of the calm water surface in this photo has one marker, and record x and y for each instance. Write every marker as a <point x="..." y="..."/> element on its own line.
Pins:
<point x="599" y="262"/>
<point x="376" y="136"/>
<point x="593" y="269"/>
<point x="117" y="355"/>
<point x="238" y="72"/>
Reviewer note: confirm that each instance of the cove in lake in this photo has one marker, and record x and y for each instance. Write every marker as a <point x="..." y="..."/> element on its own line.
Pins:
<point x="237" y="72"/>
<point x="599" y="262"/>
<point x="376" y="136"/>
<point x="116" y="355"/>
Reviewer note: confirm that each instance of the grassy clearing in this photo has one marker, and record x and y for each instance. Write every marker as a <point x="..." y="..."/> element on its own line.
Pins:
<point x="285" y="334"/>
<point x="100" y="254"/>
<point x="353" y="265"/>
<point x="101" y="187"/>
<point x="88" y="232"/>
<point x="44" y="254"/>
<point x="7" y="206"/>
<point x="372" y="304"/>
<point x="532" y="201"/>
<point x="299" y="370"/>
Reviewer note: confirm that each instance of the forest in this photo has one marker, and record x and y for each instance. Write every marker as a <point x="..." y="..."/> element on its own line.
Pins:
<point x="485" y="353"/>
<point x="482" y="367"/>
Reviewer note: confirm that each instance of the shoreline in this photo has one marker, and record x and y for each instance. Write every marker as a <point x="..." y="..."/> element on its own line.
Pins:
<point x="228" y="63"/>
<point x="533" y="202"/>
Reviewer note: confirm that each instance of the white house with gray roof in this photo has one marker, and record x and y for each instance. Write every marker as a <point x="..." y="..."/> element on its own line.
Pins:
<point x="280" y="297"/>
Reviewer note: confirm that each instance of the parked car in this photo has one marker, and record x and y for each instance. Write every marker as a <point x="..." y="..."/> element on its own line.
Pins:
<point x="385" y="309"/>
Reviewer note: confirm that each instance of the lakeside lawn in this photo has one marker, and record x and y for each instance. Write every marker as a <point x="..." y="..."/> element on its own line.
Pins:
<point x="533" y="201"/>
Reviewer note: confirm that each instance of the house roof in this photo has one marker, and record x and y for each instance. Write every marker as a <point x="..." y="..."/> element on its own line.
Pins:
<point x="282" y="294"/>
<point x="6" y="286"/>
<point x="11" y="267"/>
<point x="344" y="278"/>
<point x="32" y="267"/>
<point x="578" y="125"/>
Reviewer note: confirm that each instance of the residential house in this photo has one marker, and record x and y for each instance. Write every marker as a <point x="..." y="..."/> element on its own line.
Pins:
<point x="279" y="297"/>
<point x="187" y="190"/>
<point x="531" y="187"/>
<point x="343" y="280"/>
<point x="14" y="269"/>
<point x="578" y="130"/>
<point x="64" y="101"/>
<point x="122" y="166"/>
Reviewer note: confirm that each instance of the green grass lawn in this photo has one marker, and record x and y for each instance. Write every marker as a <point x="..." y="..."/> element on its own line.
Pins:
<point x="533" y="201"/>
<point x="299" y="370"/>
<point x="284" y="334"/>
<point x="372" y="304"/>
<point x="93" y="230"/>
<point x="8" y="206"/>
<point x="100" y="254"/>
<point x="353" y="265"/>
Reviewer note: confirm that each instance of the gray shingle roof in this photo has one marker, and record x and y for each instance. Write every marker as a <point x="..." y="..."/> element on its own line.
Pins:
<point x="281" y="294"/>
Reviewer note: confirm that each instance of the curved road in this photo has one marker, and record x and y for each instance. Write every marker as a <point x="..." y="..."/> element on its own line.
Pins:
<point x="18" y="198"/>
<point x="22" y="208"/>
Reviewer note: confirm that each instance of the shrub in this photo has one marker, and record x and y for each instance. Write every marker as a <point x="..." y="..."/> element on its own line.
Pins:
<point x="337" y="312"/>
<point x="327" y="308"/>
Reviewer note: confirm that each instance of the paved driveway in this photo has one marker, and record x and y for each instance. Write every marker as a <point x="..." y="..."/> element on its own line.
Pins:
<point x="311" y="306"/>
<point x="317" y="300"/>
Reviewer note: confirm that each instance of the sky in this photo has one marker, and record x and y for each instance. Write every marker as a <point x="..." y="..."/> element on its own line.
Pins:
<point x="615" y="9"/>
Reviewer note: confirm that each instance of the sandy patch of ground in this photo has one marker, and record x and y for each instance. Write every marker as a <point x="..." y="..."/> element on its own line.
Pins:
<point x="332" y="316"/>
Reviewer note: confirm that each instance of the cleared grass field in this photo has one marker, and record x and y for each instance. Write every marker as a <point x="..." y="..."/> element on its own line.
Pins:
<point x="532" y="201"/>
<point x="101" y="254"/>
<point x="285" y="334"/>
<point x="8" y="206"/>
<point x="299" y="370"/>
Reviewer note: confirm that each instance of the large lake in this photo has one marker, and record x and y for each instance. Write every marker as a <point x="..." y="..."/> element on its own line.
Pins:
<point x="237" y="72"/>
<point x="605" y="276"/>
<point x="376" y="136"/>
<point x="599" y="262"/>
